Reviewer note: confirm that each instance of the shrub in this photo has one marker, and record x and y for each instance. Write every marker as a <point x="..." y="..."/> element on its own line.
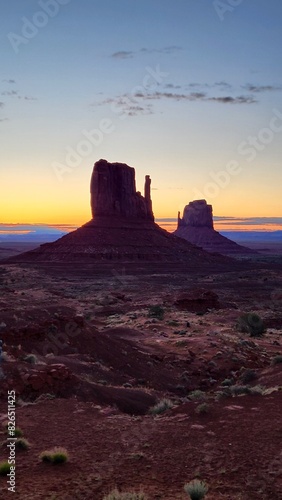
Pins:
<point x="116" y="495"/>
<point x="225" y="393"/>
<point x="237" y="390"/>
<point x="196" y="489"/>
<point x="46" y="456"/>
<point x="156" y="312"/>
<point x="202" y="409"/>
<point x="161" y="407"/>
<point x="227" y="382"/>
<point x="257" y="389"/>
<point x="276" y="360"/>
<point x="18" y="432"/>
<point x="22" y="444"/>
<point x="197" y="395"/>
<point x="4" y="468"/>
<point x="31" y="358"/>
<point x="251" y="323"/>
<point x="55" y="456"/>
<point x="248" y="376"/>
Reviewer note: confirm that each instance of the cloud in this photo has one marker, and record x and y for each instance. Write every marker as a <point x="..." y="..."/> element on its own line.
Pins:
<point x="136" y="110"/>
<point x="126" y="104"/>
<point x="141" y="102"/>
<point x="2" y="104"/>
<point x="250" y="221"/>
<point x="4" y="119"/>
<point x="9" y="93"/>
<point x="165" y="50"/>
<point x="122" y="54"/>
<point x="26" y="98"/>
<point x="172" y="86"/>
<point x="222" y="85"/>
<point x="128" y="54"/>
<point x="197" y="96"/>
<point x="9" y="81"/>
<point x="242" y="99"/>
<point x="262" y="88"/>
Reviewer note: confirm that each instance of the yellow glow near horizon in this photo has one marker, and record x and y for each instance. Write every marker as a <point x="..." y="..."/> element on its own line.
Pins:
<point x="45" y="201"/>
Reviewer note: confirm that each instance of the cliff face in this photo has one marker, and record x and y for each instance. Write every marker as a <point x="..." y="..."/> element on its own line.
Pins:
<point x="196" y="227"/>
<point x="197" y="214"/>
<point x="113" y="192"/>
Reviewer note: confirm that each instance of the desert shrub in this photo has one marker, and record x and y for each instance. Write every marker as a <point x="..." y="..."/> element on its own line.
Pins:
<point x="196" y="489"/>
<point x="251" y="323"/>
<point x="18" y="432"/>
<point x="22" y="444"/>
<point x="237" y="390"/>
<point x="161" y="407"/>
<point x="55" y="456"/>
<point x="31" y="358"/>
<point x="202" y="409"/>
<point x="276" y="360"/>
<point x="226" y="382"/>
<point x="248" y="376"/>
<point x="4" y="468"/>
<point x="156" y="312"/>
<point x="46" y="456"/>
<point x="197" y="395"/>
<point x="116" y="495"/>
<point x="256" y="389"/>
<point x="225" y="393"/>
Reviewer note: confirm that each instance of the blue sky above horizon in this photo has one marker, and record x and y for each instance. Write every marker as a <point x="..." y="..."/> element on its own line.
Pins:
<point x="167" y="86"/>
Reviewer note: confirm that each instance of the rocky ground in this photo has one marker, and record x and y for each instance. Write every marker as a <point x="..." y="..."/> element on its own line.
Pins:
<point x="89" y="352"/>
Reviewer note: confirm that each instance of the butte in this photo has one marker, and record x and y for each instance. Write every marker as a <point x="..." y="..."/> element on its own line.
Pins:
<point x="196" y="227"/>
<point x="122" y="228"/>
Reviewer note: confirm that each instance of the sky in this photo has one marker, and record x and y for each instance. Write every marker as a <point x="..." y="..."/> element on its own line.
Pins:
<point x="187" y="91"/>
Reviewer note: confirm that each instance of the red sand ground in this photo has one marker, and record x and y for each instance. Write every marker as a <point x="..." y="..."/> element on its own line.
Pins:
<point x="93" y="396"/>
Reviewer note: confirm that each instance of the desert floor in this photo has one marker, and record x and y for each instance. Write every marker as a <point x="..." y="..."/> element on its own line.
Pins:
<point x="101" y="360"/>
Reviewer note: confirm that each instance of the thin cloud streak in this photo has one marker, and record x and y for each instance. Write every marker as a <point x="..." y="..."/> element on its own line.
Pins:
<point x="9" y="93"/>
<point x="262" y="88"/>
<point x="129" y="54"/>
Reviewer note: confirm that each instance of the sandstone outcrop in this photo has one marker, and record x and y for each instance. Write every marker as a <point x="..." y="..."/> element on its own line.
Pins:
<point x="196" y="227"/>
<point x="113" y="192"/>
<point x="122" y="228"/>
<point x="197" y="214"/>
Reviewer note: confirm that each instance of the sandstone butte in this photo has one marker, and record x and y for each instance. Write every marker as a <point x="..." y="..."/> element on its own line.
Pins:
<point x="196" y="226"/>
<point x="122" y="228"/>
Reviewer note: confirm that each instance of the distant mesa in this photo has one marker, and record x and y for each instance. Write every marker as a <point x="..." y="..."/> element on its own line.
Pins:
<point x="196" y="226"/>
<point x="122" y="227"/>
